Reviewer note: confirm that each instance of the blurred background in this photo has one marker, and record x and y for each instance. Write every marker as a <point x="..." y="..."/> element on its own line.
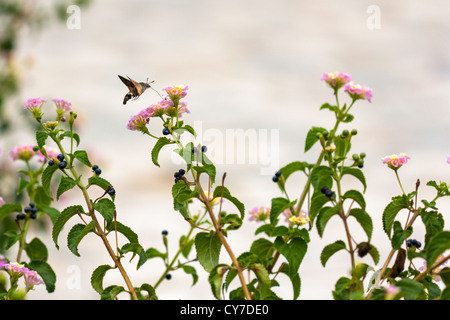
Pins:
<point x="250" y="65"/>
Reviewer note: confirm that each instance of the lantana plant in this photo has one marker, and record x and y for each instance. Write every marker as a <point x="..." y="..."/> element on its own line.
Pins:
<point x="284" y="230"/>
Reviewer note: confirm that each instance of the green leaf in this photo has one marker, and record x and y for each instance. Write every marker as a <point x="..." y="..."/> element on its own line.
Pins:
<point x="207" y="245"/>
<point x="225" y="193"/>
<point x="321" y="176"/>
<point x="311" y="137"/>
<point x="295" y="166"/>
<point x="41" y="137"/>
<point x="123" y="229"/>
<point x="357" y="173"/>
<point x="318" y="200"/>
<point x="46" y="272"/>
<point x="154" y="253"/>
<point x="356" y="196"/>
<point x="324" y="216"/>
<point x="9" y="208"/>
<point x="157" y="148"/>
<point x="278" y="205"/>
<point x="106" y="208"/>
<point x="97" y="277"/>
<point x="294" y="251"/>
<point x="65" y="184"/>
<point x="181" y="195"/>
<point x="51" y="212"/>
<point x="233" y="220"/>
<point x="263" y="279"/>
<point x="331" y="249"/>
<point x="434" y="223"/>
<point x="76" y="234"/>
<point x="47" y="178"/>
<point x="263" y="248"/>
<point x="216" y="278"/>
<point x="150" y="291"/>
<point x="410" y="289"/>
<point x="391" y="211"/>
<point x="436" y="246"/>
<point x="23" y="184"/>
<point x="191" y="270"/>
<point x="374" y="253"/>
<point x="65" y="215"/>
<point x="82" y="156"/>
<point x="364" y="220"/>
<point x="400" y="235"/>
<point x="68" y="134"/>
<point x="189" y="129"/>
<point x="36" y="250"/>
<point x="111" y="292"/>
<point x="137" y="249"/>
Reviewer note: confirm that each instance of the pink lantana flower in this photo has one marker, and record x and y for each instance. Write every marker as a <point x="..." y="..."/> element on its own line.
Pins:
<point x="50" y="153"/>
<point x="171" y="111"/>
<point x="24" y="152"/>
<point x="2" y="202"/>
<point x="32" y="279"/>
<point x="435" y="271"/>
<point x="139" y="122"/>
<point x="259" y="214"/>
<point x="62" y="104"/>
<point x="396" y="161"/>
<point x="336" y="79"/>
<point x="176" y="92"/>
<point x="448" y="159"/>
<point x="357" y="91"/>
<point x="34" y="105"/>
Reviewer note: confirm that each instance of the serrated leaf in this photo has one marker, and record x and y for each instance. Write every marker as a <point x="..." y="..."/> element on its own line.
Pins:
<point x="97" y="277"/>
<point x="324" y="216"/>
<point x="400" y="235"/>
<point x="331" y="249"/>
<point x="321" y="176"/>
<point x="263" y="279"/>
<point x="357" y="173"/>
<point x="106" y="208"/>
<point x="136" y="249"/>
<point x="111" y="292"/>
<point x="82" y="156"/>
<point x="102" y="183"/>
<point x="123" y="229"/>
<point x="311" y="137"/>
<point x="356" y="196"/>
<point x="225" y="193"/>
<point x="208" y="245"/>
<point x="46" y="272"/>
<point x="47" y="178"/>
<point x="9" y="208"/>
<point x="191" y="270"/>
<point x="41" y="137"/>
<point x="36" y="250"/>
<point x="263" y="248"/>
<point x="65" y="215"/>
<point x="295" y="166"/>
<point x="76" y="234"/>
<point x="364" y="220"/>
<point x="278" y="205"/>
<point x="436" y="246"/>
<point x="69" y="134"/>
<point x="434" y="223"/>
<point x="150" y="291"/>
<point x="65" y="184"/>
<point x="318" y="200"/>
<point x="157" y="148"/>
<point x="215" y="279"/>
<point x="410" y="289"/>
<point x="294" y="251"/>
<point x="391" y="211"/>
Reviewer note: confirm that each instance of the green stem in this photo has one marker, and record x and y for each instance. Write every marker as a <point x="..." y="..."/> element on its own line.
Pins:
<point x="399" y="182"/>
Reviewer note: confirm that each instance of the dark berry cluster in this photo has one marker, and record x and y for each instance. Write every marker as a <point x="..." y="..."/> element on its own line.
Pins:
<point x="96" y="169"/>
<point x="30" y="209"/>
<point x="165" y="232"/>
<point x="413" y="243"/>
<point x="277" y="176"/>
<point x="204" y="149"/>
<point x="179" y="174"/>
<point x="327" y="191"/>
<point x="62" y="162"/>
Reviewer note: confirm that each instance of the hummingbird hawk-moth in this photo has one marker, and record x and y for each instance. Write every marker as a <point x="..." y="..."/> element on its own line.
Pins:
<point x="135" y="88"/>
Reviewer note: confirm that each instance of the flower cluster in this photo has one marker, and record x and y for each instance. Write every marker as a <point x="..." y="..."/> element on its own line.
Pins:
<point x="27" y="152"/>
<point x="336" y="80"/>
<point x="17" y="270"/>
<point x="436" y="270"/>
<point x="34" y="105"/>
<point x="396" y="161"/>
<point x="259" y="214"/>
<point x="170" y="106"/>
<point x="358" y="91"/>
<point x="300" y="219"/>
<point x="2" y="202"/>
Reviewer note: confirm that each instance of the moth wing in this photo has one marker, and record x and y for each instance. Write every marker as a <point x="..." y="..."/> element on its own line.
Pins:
<point x="128" y="82"/>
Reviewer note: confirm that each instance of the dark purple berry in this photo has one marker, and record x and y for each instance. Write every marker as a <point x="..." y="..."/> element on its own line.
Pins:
<point x="329" y="193"/>
<point x="27" y="209"/>
<point x="60" y="157"/>
<point x="204" y="148"/>
<point x="324" y="189"/>
<point x="166" y="131"/>
<point x="33" y="215"/>
<point x="94" y="167"/>
<point x="51" y="162"/>
<point x="275" y="179"/>
<point x="165" y="232"/>
<point x="278" y="174"/>
<point x="20" y="216"/>
<point x="62" y="164"/>
<point x="168" y="276"/>
<point x="182" y="172"/>
<point x="112" y="192"/>
<point x="98" y="171"/>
